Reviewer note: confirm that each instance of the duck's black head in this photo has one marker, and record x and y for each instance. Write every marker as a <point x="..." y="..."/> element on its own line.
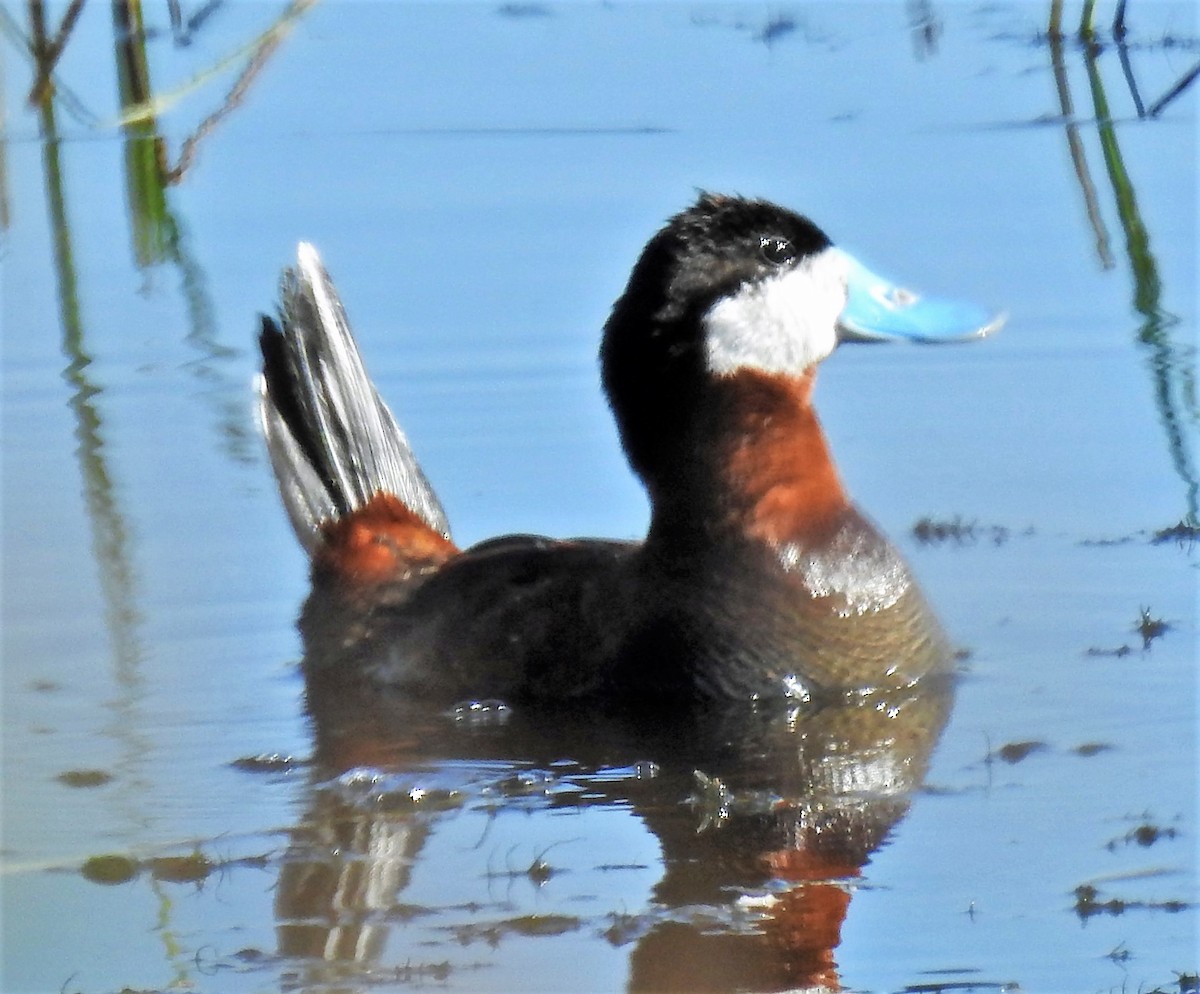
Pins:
<point x="726" y="285"/>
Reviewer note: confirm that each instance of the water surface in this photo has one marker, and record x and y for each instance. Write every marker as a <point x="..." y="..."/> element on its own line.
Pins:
<point x="479" y="180"/>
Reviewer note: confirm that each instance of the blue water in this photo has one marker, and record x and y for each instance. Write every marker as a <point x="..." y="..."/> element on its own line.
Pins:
<point x="479" y="180"/>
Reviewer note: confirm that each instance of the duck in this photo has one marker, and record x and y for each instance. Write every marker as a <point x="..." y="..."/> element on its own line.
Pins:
<point x="758" y="579"/>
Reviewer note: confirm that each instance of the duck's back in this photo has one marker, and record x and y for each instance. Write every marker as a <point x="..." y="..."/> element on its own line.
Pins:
<point x="515" y="617"/>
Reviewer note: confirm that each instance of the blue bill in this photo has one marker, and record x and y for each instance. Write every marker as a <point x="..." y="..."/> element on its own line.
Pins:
<point x="878" y="310"/>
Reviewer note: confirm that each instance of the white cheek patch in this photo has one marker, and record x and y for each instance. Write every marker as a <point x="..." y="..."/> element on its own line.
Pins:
<point x="782" y="324"/>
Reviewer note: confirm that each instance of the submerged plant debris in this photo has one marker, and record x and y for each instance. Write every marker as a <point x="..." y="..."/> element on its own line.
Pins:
<point x="84" y="778"/>
<point x="1118" y="652"/>
<point x="1184" y="533"/>
<point x="1150" y="628"/>
<point x="1146" y="834"/>
<point x="1147" y="626"/>
<point x="1088" y="903"/>
<point x="529" y="926"/>
<point x="1013" y="752"/>
<point x="960" y="531"/>
<point x="1088" y="749"/>
<point x="194" y="867"/>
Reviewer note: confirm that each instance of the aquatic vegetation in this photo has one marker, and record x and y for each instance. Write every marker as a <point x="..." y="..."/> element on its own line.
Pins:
<point x="528" y="926"/>
<point x="1092" y="749"/>
<point x="194" y="867"/>
<point x="84" y="778"/>
<point x="539" y="871"/>
<point x="1146" y="834"/>
<point x="960" y="531"/>
<point x="1150" y="628"/>
<point x="1014" y="752"/>
<point x="1088" y="904"/>
<point x="1117" y="653"/>
<point x="1184" y="533"/>
<point x="110" y="869"/>
<point x="1147" y="626"/>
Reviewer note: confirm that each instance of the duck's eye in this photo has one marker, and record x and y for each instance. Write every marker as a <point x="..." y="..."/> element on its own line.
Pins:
<point x="777" y="251"/>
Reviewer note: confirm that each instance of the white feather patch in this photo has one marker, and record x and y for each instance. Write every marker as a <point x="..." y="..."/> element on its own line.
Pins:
<point x="866" y="573"/>
<point x="785" y="323"/>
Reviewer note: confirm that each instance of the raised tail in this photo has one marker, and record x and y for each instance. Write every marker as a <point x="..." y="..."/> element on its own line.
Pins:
<point x="336" y="450"/>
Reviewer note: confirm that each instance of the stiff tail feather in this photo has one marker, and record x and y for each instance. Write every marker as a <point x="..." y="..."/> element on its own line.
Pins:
<point x="334" y="445"/>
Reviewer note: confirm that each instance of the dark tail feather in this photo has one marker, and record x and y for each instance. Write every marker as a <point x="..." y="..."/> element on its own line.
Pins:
<point x="333" y="443"/>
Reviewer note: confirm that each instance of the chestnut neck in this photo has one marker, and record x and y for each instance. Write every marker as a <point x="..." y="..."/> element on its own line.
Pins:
<point x="756" y="465"/>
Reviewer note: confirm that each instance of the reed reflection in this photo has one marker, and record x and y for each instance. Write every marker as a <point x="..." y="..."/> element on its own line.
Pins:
<point x="110" y="530"/>
<point x="157" y="232"/>
<point x="1170" y="360"/>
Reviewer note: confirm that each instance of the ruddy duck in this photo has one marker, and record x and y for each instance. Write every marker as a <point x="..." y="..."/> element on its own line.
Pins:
<point x="758" y="577"/>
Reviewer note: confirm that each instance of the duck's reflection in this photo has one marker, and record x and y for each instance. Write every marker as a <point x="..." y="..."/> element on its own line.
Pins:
<point x="765" y="818"/>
